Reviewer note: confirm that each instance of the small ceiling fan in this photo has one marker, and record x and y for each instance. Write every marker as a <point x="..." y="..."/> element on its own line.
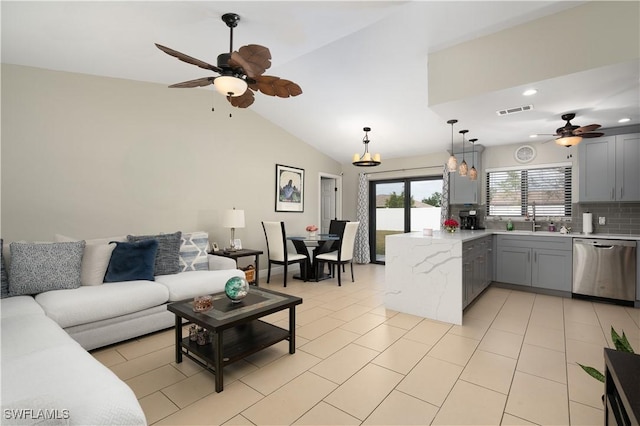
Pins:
<point x="570" y="135"/>
<point x="240" y="71"/>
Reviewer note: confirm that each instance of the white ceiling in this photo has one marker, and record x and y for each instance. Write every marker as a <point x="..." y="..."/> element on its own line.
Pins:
<point x="361" y="63"/>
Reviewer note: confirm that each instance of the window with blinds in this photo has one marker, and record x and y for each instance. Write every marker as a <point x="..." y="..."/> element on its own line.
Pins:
<point x="515" y="192"/>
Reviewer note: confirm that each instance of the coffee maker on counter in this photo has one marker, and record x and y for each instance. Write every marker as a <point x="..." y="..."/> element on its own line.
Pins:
<point x="469" y="220"/>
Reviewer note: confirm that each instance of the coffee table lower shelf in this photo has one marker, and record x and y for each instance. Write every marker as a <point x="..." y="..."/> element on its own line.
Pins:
<point x="237" y="343"/>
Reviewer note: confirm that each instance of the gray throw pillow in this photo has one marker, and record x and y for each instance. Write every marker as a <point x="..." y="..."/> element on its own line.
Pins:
<point x="36" y="268"/>
<point x="168" y="255"/>
<point x="5" y="280"/>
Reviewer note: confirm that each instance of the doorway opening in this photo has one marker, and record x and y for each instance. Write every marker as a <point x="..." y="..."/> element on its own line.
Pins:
<point x="330" y="200"/>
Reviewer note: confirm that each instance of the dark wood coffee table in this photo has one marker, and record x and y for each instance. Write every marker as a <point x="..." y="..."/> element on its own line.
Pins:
<point x="237" y="332"/>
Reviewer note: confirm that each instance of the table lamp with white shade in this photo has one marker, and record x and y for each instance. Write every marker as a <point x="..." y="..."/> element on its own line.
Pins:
<point x="233" y="219"/>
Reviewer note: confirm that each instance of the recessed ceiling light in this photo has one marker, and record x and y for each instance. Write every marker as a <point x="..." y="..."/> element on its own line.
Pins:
<point x="533" y="136"/>
<point x="624" y="120"/>
<point x="529" y="92"/>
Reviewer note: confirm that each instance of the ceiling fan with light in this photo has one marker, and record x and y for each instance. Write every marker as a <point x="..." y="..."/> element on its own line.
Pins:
<point x="241" y="71"/>
<point x="570" y="135"/>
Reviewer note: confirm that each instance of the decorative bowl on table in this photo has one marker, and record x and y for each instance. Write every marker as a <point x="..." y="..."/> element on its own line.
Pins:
<point x="202" y="303"/>
<point x="236" y="289"/>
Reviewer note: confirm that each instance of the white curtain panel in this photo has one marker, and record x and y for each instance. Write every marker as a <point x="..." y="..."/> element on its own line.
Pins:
<point x="361" y="251"/>
<point x="444" y="209"/>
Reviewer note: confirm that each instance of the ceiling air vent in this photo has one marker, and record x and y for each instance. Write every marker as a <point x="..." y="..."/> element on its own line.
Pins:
<point x="514" y="110"/>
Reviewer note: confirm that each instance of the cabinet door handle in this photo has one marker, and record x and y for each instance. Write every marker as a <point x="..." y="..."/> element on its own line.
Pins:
<point x="529" y="257"/>
<point x="613" y="193"/>
<point x="535" y="257"/>
<point x="621" y="191"/>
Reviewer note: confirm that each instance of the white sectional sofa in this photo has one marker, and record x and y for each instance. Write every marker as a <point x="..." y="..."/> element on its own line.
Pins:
<point x="46" y="335"/>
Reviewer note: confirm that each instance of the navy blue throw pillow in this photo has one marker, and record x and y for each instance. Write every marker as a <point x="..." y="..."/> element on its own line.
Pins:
<point x="132" y="261"/>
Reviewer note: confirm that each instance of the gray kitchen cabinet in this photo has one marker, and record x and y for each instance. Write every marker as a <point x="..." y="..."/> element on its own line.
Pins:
<point x="608" y="168"/>
<point x="541" y="262"/>
<point x="476" y="267"/>
<point x="463" y="190"/>
<point x="514" y="265"/>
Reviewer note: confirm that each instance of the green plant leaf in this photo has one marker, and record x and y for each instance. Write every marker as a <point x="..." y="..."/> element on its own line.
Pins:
<point x="621" y="343"/>
<point x="593" y="372"/>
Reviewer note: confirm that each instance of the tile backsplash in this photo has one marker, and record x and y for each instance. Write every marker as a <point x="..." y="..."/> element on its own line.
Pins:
<point x="620" y="218"/>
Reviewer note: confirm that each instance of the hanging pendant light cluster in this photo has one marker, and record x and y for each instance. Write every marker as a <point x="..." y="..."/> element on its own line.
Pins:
<point x="463" y="168"/>
<point x="366" y="160"/>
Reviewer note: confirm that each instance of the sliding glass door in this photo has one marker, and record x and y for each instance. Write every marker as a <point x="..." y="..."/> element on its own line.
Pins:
<point x="397" y="206"/>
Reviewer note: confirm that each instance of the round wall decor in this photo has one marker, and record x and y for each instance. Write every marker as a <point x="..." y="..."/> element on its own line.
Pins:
<point x="524" y="154"/>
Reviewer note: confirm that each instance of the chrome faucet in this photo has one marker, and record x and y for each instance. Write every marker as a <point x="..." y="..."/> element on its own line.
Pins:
<point x="533" y="219"/>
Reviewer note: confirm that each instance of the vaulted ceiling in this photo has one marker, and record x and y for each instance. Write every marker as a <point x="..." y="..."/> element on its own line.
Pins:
<point x="401" y="67"/>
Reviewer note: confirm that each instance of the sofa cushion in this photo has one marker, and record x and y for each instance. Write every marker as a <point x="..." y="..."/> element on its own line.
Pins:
<point x="96" y="257"/>
<point x="193" y="251"/>
<point x="95" y="303"/>
<point x="95" y="262"/>
<point x="4" y="291"/>
<point x="79" y="387"/>
<point x="45" y="266"/>
<point x="19" y="306"/>
<point x="196" y="283"/>
<point x="132" y="261"/>
<point x="168" y="257"/>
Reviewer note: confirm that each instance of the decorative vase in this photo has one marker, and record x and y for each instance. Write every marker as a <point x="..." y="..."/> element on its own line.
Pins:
<point x="236" y="289"/>
<point x="312" y="234"/>
<point x="451" y="229"/>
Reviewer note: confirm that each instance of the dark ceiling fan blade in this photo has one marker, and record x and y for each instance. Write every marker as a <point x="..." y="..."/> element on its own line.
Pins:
<point x="236" y="61"/>
<point x="242" y="101"/>
<point x="200" y="82"/>
<point x="259" y="57"/>
<point x="276" y="86"/>
<point x="591" y="135"/>
<point x="585" y="129"/>
<point x="188" y="59"/>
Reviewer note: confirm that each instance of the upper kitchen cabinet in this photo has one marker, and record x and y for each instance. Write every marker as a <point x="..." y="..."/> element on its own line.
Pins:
<point x="609" y="168"/>
<point x="463" y="190"/>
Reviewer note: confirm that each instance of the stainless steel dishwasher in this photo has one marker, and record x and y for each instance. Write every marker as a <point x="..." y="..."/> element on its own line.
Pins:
<point x="604" y="268"/>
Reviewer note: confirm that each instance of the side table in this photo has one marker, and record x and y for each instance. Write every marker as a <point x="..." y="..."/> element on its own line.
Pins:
<point x="243" y="253"/>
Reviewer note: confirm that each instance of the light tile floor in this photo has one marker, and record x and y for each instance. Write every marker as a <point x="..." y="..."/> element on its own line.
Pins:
<point x="512" y="362"/>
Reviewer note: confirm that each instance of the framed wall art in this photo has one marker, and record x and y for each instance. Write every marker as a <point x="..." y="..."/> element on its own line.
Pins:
<point x="289" y="189"/>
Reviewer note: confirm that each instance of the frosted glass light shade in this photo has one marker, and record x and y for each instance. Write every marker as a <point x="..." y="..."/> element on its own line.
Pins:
<point x="233" y="219"/>
<point x="473" y="173"/>
<point x="230" y="86"/>
<point x="376" y="157"/>
<point x="569" y="140"/>
<point x="463" y="169"/>
<point x="452" y="163"/>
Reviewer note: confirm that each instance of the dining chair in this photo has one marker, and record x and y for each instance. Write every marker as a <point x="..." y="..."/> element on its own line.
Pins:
<point x="277" y="249"/>
<point x="343" y="255"/>
<point x="336" y="227"/>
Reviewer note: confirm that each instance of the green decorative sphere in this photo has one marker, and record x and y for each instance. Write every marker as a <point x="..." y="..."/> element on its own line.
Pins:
<point x="236" y="289"/>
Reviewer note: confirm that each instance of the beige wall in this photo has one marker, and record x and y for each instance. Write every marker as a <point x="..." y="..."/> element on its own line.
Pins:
<point x="521" y="54"/>
<point x="92" y="157"/>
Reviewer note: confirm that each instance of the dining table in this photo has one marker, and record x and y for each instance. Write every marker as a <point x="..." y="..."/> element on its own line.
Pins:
<point x="318" y="243"/>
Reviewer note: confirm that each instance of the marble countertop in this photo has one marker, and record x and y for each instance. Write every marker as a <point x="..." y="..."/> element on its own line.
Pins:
<point x="464" y="235"/>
